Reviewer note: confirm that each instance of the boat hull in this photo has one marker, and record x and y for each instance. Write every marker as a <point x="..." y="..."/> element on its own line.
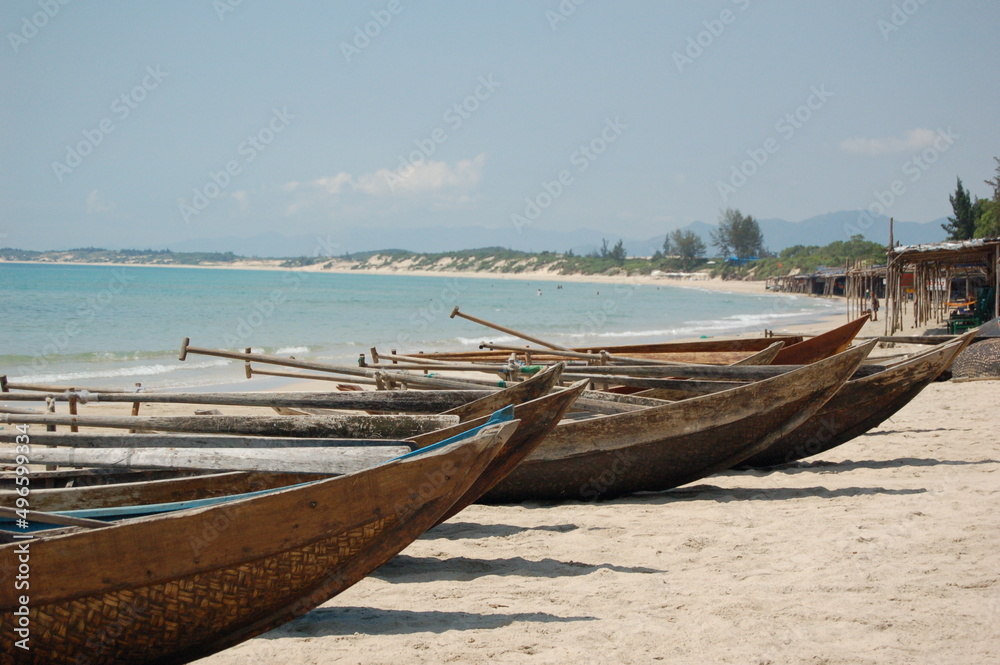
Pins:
<point x="178" y="587"/>
<point x="670" y="445"/>
<point x="861" y="405"/>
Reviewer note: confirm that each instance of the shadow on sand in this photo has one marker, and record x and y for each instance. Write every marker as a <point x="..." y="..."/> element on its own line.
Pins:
<point x="851" y="465"/>
<point x="403" y="568"/>
<point x="374" y="621"/>
<point x="715" y="493"/>
<point x="461" y="530"/>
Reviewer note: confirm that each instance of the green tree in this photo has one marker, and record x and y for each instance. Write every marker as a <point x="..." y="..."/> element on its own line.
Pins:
<point x="738" y="235"/>
<point x="988" y="224"/>
<point x="616" y="253"/>
<point x="668" y="249"/>
<point x="688" y="246"/>
<point x="963" y="224"/>
<point x="988" y="219"/>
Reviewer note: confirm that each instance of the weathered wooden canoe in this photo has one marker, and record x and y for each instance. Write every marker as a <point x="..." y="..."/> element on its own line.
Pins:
<point x="859" y="406"/>
<point x="183" y="585"/>
<point x="676" y="443"/>
<point x="821" y="346"/>
<point x="710" y="351"/>
<point x="537" y="419"/>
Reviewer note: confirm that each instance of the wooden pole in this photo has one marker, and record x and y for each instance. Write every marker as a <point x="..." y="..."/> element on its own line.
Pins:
<point x="416" y="380"/>
<point x="50" y="407"/>
<point x="251" y="371"/>
<point x="343" y="426"/>
<point x="404" y="401"/>
<point x="72" y="412"/>
<point x="509" y="331"/>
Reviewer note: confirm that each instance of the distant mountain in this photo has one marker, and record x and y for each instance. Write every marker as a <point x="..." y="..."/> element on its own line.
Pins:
<point x="778" y="234"/>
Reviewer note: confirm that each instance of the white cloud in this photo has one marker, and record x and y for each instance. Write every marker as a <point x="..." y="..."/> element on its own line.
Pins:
<point x="240" y="196"/>
<point x="96" y="205"/>
<point x="915" y="139"/>
<point x="425" y="177"/>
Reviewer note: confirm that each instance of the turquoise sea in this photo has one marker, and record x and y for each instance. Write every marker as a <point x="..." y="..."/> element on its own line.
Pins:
<point x="113" y="326"/>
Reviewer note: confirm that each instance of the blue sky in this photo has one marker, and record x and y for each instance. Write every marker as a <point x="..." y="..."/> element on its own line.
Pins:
<point x="129" y="124"/>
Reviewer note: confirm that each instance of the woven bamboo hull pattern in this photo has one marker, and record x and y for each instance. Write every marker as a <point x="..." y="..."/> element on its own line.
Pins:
<point x="173" y="588"/>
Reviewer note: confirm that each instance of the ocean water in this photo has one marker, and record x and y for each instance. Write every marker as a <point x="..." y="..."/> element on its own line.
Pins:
<point x="113" y="326"/>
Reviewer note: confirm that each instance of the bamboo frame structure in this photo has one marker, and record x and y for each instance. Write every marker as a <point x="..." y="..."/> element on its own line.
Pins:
<point x="933" y="267"/>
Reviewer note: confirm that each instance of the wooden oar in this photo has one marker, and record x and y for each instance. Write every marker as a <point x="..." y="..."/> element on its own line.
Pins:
<point x="195" y="440"/>
<point x="253" y="371"/>
<point x="918" y="339"/>
<point x="762" y="357"/>
<point x="416" y="380"/>
<point x="378" y="357"/>
<point x="602" y="358"/>
<point x="319" y="460"/>
<point x="350" y="426"/>
<point x="407" y="401"/>
<point x="718" y="372"/>
<point x="509" y="331"/>
<point x="7" y="386"/>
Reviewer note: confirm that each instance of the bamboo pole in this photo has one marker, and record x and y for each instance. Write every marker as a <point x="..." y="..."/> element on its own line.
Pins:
<point x="405" y="401"/>
<point x="7" y="386"/>
<point x="416" y="380"/>
<point x="50" y="407"/>
<point x="509" y="331"/>
<point x="252" y="371"/>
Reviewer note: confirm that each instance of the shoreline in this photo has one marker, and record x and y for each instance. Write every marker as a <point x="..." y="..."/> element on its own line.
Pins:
<point x="712" y="284"/>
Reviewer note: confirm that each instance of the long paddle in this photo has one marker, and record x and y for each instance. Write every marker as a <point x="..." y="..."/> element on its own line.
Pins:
<point x="509" y="331"/>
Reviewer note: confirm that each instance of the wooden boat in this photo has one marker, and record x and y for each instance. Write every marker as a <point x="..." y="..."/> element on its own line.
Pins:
<point x="860" y="405"/>
<point x="674" y="443"/>
<point x="183" y="585"/>
<point x="821" y="346"/>
<point x="708" y="351"/>
<point x="537" y="419"/>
